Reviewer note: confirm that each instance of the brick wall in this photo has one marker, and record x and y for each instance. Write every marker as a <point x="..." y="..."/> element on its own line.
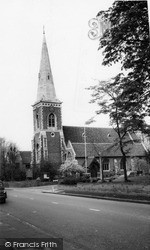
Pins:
<point x="56" y="111"/>
<point x="54" y="148"/>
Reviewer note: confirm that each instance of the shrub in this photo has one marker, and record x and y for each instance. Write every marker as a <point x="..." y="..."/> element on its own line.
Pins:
<point x="85" y="178"/>
<point x="7" y="173"/>
<point x="49" y="169"/>
<point x="19" y="175"/>
<point x="94" y="179"/>
<point x="36" y="172"/>
<point x="141" y="165"/>
<point x="70" y="168"/>
<point x="69" y="180"/>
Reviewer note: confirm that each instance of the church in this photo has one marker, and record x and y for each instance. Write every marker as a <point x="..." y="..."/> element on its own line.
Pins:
<point x="56" y="143"/>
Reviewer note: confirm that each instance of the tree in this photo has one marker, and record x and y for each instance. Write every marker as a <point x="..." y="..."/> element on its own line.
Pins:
<point x="48" y="169"/>
<point x="141" y="166"/>
<point x="2" y="158"/>
<point x="127" y="42"/>
<point x="35" y="167"/>
<point x="71" y="168"/>
<point x="9" y="153"/>
<point x="12" y="153"/>
<point x="110" y="98"/>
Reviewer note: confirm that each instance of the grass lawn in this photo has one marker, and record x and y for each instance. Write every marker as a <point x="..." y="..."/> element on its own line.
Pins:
<point x="137" y="188"/>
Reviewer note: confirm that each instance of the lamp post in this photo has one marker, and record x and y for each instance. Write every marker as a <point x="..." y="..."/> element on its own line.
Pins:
<point x="101" y="167"/>
<point x="0" y="158"/>
<point x="148" y="6"/>
<point x="85" y="149"/>
<point x="91" y="120"/>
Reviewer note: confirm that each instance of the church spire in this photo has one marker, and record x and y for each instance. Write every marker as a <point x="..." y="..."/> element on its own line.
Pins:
<point x="43" y="29"/>
<point x="46" y="89"/>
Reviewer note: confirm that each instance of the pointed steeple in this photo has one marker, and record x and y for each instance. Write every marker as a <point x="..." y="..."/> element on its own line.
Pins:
<point x="46" y="89"/>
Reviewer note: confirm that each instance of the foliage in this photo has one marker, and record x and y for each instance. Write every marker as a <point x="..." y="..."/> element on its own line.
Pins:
<point x="141" y="165"/>
<point x="148" y="155"/>
<point x="9" y="154"/>
<point x="71" y="168"/>
<point x="110" y="98"/>
<point x="49" y="169"/>
<point x="85" y="178"/>
<point x="36" y="171"/>
<point x="69" y="180"/>
<point x="71" y="172"/>
<point x="6" y="175"/>
<point x="127" y="42"/>
<point x="126" y="97"/>
<point x="19" y="174"/>
<point x="12" y="153"/>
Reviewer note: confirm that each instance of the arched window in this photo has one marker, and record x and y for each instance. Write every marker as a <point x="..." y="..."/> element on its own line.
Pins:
<point x="69" y="155"/>
<point x="37" y="152"/>
<point x="51" y="120"/>
<point x="105" y="165"/>
<point x="37" y="120"/>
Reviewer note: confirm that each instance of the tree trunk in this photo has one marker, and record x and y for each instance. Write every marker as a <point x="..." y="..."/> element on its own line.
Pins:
<point x="124" y="167"/>
<point x="12" y="171"/>
<point x="101" y="169"/>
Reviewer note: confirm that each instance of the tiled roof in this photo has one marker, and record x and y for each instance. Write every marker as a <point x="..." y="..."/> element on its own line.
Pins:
<point x="93" y="135"/>
<point x="132" y="149"/>
<point x="107" y="149"/>
<point x="99" y="140"/>
<point x="26" y="156"/>
<point x="92" y="149"/>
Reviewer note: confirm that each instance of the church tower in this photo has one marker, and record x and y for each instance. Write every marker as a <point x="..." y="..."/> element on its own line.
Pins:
<point x="47" y="140"/>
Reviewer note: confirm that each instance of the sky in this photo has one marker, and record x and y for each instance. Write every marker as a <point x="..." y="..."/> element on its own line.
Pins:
<point x="74" y="57"/>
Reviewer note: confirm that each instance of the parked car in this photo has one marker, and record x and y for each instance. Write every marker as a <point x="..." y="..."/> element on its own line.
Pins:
<point x="3" y="193"/>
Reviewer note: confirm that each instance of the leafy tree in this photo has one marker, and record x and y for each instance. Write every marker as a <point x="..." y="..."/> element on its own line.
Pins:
<point x="141" y="165"/>
<point x="126" y="97"/>
<point x="7" y="173"/>
<point x="35" y="168"/>
<point x="19" y="173"/>
<point x="110" y="98"/>
<point x="12" y="153"/>
<point x="127" y="42"/>
<point x="36" y="171"/>
<point x="49" y="169"/>
<point x="70" y="168"/>
<point x="8" y="156"/>
<point x="2" y="158"/>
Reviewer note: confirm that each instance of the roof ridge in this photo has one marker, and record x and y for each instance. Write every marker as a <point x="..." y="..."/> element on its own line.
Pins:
<point x="86" y="127"/>
<point x="92" y="143"/>
<point x="29" y="151"/>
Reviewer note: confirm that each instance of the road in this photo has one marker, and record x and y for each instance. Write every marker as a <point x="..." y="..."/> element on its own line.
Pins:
<point x="83" y="223"/>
